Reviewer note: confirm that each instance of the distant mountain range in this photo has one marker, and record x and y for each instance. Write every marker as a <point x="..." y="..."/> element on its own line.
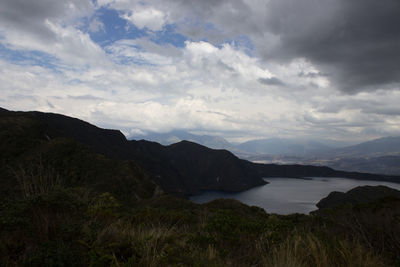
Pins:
<point x="378" y="147"/>
<point x="272" y="146"/>
<point x="377" y="156"/>
<point x="280" y="146"/>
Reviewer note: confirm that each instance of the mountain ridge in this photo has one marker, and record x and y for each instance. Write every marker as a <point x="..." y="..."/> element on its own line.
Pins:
<point x="281" y="146"/>
<point x="184" y="168"/>
<point x="175" y="136"/>
<point x="376" y="147"/>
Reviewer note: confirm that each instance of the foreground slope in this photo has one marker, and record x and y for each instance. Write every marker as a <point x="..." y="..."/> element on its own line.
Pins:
<point x="63" y="203"/>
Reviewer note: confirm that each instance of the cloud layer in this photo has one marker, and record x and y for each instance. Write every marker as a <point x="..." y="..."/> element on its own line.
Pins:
<point x="241" y="69"/>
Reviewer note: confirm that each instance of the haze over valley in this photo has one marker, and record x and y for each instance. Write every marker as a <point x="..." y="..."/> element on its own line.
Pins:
<point x="376" y="156"/>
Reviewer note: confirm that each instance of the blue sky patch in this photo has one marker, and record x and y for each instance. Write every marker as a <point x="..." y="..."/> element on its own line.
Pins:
<point x="169" y="36"/>
<point x="32" y="58"/>
<point x="115" y="28"/>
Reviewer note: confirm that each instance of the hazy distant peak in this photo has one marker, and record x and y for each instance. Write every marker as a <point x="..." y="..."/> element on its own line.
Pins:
<point x="176" y="136"/>
<point x="375" y="147"/>
<point x="281" y="146"/>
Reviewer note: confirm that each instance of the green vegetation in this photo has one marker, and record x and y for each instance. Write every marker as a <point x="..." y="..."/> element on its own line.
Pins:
<point x="73" y="227"/>
<point x="63" y="205"/>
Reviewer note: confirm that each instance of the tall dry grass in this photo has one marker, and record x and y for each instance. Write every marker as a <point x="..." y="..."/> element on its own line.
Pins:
<point x="308" y="250"/>
<point x="36" y="178"/>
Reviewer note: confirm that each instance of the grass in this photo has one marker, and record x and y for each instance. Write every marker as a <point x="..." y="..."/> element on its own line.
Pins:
<point x="309" y="250"/>
<point x="73" y="226"/>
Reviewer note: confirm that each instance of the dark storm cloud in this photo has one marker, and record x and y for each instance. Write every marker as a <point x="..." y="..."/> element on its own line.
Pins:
<point x="385" y="106"/>
<point x="30" y="16"/>
<point x="218" y="20"/>
<point x="356" y="42"/>
<point x="311" y="74"/>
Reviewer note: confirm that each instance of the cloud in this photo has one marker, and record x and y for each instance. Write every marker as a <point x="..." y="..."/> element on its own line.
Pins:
<point x="271" y="81"/>
<point x="30" y="16"/>
<point x="354" y="43"/>
<point x="150" y="18"/>
<point x="243" y="69"/>
<point x="49" y="27"/>
<point x="96" y="25"/>
<point x="142" y="51"/>
<point x="85" y="97"/>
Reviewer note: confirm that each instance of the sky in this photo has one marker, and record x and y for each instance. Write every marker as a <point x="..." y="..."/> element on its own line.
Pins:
<point x="240" y="69"/>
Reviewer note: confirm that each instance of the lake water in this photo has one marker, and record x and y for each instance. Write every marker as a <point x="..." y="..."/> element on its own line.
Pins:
<point x="289" y="195"/>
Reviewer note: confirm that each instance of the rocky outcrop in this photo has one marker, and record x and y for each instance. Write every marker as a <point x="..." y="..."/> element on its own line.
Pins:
<point x="358" y="195"/>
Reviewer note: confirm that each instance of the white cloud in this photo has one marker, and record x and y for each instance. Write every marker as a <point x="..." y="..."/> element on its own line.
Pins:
<point x="205" y="87"/>
<point x="132" y="50"/>
<point x="150" y="18"/>
<point x="70" y="45"/>
<point x="96" y="25"/>
<point x="211" y="85"/>
<point x="50" y="27"/>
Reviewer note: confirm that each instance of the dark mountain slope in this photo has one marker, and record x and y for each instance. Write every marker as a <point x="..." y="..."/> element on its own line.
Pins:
<point x="188" y="168"/>
<point x="32" y="163"/>
<point x="218" y="168"/>
<point x="183" y="168"/>
<point x="109" y="142"/>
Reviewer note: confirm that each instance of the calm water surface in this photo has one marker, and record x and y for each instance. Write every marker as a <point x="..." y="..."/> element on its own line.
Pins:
<point x="288" y="195"/>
